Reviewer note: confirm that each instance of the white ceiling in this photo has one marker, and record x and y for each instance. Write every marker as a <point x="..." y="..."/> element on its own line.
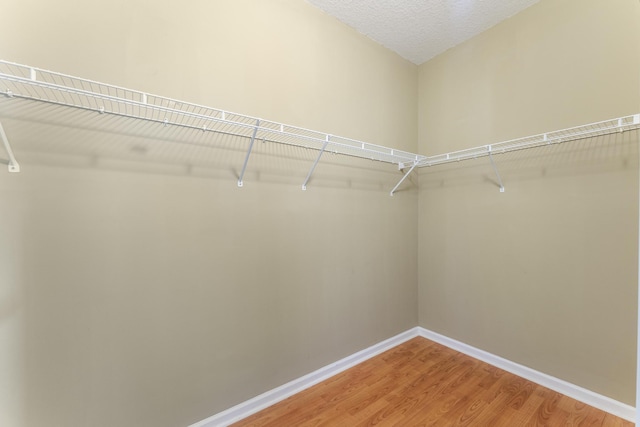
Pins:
<point x="418" y="30"/>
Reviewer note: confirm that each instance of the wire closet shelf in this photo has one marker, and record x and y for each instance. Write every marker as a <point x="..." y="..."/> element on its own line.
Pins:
<point x="604" y="127"/>
<point x="35" y="84"/>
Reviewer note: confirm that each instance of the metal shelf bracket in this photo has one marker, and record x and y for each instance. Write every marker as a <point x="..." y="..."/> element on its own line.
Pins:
<point x="13" y="164"/>
<point x="313" y="168"/>
<point x="495" y="169"/>
<point x="403" y="178"/>
<point x="246" y="159"/>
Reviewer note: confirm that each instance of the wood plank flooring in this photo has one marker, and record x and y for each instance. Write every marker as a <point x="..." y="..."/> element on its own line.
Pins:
<point x="422" y="383"/>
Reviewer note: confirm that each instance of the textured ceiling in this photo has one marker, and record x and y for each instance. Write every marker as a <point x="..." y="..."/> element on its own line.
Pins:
<point x="418" y="30"/>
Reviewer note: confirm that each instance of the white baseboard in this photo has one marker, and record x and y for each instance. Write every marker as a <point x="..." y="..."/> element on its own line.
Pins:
<point x="599" y="401"/>
<point x="258" y="403"/>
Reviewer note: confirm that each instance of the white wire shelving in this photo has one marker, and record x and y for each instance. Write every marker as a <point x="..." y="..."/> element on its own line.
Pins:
<point x="604" y="127"/>
<point x="43" y="86"/>
<point x="25" y="82"/>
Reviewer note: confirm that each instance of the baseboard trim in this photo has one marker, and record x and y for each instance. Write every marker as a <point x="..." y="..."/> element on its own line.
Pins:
<point x="258" y="403"/>
<point x="589" y="397"/>
<point x="271" y="397"/>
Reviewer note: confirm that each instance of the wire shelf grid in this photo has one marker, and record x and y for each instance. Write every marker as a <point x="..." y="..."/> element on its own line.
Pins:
<point x="36" y="84"/>
<point x="605" y="127"/>
<point x="46" y="86"/>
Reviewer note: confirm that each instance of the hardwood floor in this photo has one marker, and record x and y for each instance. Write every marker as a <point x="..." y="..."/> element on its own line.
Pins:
<point x="422" y="383"/>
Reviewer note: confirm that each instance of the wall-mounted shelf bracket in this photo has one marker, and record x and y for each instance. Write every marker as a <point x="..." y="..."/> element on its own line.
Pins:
<point x="246" y="159"/>
<point x="324" y="146"/>
<point x="495" y="169"/>
<point x="403" y="178"/>
<point x="13" y="164"/>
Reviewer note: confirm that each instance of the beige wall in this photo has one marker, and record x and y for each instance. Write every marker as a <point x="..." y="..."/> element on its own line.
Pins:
<point x="281" y="60"/>
<point x="143" y="288"/>
<point x="150" y="290"/>
<point x="544" y="274"/>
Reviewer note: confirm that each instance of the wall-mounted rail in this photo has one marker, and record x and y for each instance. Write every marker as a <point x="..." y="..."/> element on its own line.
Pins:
<point x="34" y="84"/>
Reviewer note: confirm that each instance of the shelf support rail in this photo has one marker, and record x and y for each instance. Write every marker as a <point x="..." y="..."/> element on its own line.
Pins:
<point x="13" y="164"/>
<point x="246" y="159"/>
<point x="404" y="177"/>
<point x="495" y="169"/>
<point x="313" y="168"/>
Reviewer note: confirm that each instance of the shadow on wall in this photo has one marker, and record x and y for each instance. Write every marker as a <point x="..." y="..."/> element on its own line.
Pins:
<point x="47" y="135"/>
<point x="125" y="274"/>
<point x="601" y="154"/>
